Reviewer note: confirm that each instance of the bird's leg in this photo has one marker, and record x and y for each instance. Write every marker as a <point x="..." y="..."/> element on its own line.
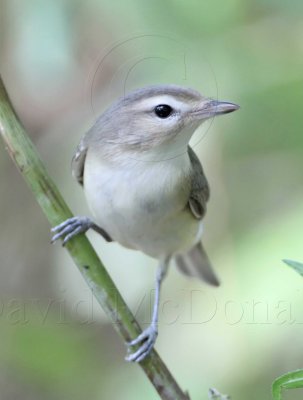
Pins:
<point x="148" y="337"/>
<point x="74" y="226"/>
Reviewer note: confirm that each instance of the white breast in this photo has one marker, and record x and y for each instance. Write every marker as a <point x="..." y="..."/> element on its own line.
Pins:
<point x="142" y="205"/>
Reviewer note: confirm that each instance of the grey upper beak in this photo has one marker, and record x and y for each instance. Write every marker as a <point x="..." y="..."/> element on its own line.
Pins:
<point x="221" y="107"/>
<point x="215" y="107"/>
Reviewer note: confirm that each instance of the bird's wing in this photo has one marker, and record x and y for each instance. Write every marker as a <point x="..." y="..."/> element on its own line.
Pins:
<point x="195" y="262"/>
<point x="199" y="193"/>
<point x="78" y="161"/>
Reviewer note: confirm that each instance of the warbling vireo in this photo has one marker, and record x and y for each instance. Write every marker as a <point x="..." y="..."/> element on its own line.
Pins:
<point x="145" y="185"/>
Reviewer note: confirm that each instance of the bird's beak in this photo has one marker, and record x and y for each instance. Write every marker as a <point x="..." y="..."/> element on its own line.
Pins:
<point x="212" y="108"/>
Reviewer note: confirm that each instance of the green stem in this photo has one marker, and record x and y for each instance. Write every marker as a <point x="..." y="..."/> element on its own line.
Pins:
<point x="27" y="160"/>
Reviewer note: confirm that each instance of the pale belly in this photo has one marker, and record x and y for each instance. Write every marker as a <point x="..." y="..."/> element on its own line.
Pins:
<point x="145" y="211"/>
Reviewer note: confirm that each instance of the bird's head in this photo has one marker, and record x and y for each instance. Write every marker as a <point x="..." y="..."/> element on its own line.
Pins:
<point x="157" y="118"/>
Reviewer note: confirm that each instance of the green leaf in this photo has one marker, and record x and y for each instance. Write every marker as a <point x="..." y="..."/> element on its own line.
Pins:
<point x="297" y="266"/>
<point x="291" y="380"/>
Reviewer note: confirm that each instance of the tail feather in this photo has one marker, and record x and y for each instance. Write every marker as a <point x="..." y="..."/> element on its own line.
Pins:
<point x="196" y="263"/>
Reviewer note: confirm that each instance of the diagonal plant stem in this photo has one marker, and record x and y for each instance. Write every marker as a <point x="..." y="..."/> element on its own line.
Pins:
<point x="27" y="160"/>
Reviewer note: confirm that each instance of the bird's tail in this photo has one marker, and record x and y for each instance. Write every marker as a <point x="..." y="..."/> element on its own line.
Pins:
<point x="196" y="263"/>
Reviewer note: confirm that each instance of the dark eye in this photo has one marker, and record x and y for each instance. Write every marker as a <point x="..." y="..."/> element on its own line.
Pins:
<point x="163" y="110"/>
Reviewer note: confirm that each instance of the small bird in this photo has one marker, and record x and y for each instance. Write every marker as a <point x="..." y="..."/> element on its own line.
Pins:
<point x="145" y="185"/>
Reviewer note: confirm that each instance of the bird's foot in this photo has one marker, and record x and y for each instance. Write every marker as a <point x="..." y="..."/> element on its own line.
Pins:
<point x="70" y="228"/>
<point x="214" y="394"/>
<point x="146" y="340"/>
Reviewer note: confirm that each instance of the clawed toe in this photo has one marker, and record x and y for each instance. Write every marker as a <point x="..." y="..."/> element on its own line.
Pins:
<point x="70" y="228"/>
<point x="214" y="394"/>
<point x="147" y="340"/>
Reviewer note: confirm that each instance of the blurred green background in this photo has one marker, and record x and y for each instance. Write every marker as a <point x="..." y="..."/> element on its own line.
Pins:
<point x="62" y="62"/>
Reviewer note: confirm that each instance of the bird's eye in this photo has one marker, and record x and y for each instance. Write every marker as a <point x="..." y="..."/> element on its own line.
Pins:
<point x="163" y="110"/>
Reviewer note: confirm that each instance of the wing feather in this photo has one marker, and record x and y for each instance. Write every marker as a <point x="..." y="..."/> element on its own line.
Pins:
<point x="199" y="193"/>
<point x="78" y="161"/>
